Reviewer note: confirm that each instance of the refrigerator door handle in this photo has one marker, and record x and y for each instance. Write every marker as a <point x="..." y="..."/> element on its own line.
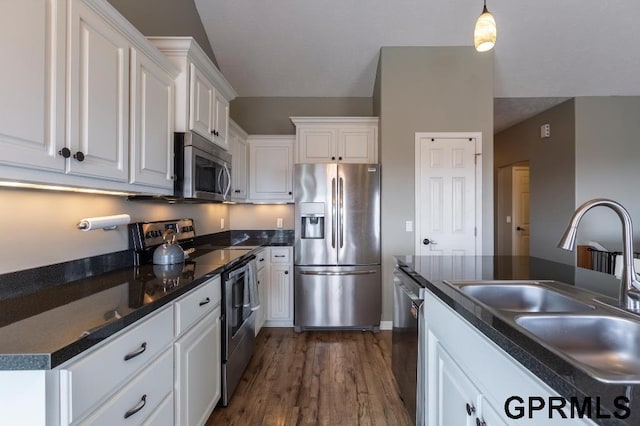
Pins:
<point x="341" y="209"/>
<point x="365" y="272"/>
<point x="333" y="213"/>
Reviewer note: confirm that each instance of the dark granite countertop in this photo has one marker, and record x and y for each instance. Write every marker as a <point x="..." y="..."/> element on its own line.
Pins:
<point x="555" y="371"/>
<point x="50" y="314"/>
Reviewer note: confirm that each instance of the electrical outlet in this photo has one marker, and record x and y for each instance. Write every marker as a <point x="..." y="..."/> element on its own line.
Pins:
<point x="279" y="223"/>
<point x="222" y="223"/>
<point x="545" y="131"/>
<point x="408" y="226"/>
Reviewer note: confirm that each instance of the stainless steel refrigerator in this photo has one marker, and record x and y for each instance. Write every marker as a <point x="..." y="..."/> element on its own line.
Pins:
<point x="337" y="280"/>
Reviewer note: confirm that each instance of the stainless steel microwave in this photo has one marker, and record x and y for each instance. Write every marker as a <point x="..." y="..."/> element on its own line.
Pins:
<point x="203" y="171"/>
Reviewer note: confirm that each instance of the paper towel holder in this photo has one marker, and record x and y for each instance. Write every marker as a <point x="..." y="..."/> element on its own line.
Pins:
<point x="106" y="223"/>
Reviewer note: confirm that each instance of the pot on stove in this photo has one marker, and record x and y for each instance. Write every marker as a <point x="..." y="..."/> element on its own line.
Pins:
<point x="168" y="253"/>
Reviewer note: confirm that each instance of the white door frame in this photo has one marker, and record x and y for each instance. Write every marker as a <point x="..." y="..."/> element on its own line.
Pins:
<point x="418" y="169"/>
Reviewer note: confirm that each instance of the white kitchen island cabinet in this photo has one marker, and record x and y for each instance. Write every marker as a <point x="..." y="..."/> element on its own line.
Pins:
<point x="71" y="116"/>
<point x="469" y="378"/>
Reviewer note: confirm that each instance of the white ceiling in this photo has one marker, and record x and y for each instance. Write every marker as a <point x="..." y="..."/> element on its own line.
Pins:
<point x="545" y="48"/>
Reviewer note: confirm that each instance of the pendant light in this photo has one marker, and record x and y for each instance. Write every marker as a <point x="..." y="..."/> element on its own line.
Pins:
<point x="484" y="35"/>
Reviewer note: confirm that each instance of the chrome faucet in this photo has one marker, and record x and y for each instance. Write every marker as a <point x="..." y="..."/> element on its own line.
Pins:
<point x="629" y="284"/>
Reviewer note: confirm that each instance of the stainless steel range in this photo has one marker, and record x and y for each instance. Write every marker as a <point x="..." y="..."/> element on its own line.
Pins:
<point x="238" y="281"/>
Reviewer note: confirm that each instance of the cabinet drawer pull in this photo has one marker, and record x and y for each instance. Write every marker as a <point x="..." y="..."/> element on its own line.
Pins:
<point x="138" y="407"/>
<point x="261" y="259"/>
<point x="205" y="301"/>
<point x="480" y="422"/>
<point x="143" y="347"/>
<point x="278" y="255"/>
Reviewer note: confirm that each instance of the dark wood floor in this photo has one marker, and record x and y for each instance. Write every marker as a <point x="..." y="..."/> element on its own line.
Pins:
<point x="316" y="378"/>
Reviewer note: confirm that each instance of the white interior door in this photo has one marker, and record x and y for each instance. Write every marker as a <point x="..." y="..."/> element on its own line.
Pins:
<point x="448" y="194"/>
<point x="520" y="207"/>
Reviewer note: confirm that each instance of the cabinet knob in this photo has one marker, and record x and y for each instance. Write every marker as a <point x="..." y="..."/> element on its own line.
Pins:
<point x="286" y="272"/>
<point x="65" y="152"/>
<point x="340" y="158"/>
<point x="480" y="422"/>
<point x="333" y="158"/>
<point x="290" y="193"/>
<point x="470" y="409"/>
<point x="79" y="156"/>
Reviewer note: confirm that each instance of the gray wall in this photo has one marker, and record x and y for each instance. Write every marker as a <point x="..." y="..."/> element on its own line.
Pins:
<point x="607" y="164"/>
<point x="166" y="18"/>
<point x="271" y="115"/>
<point x="427" y="89"/>
<point x="552" y="175"/>
<point x="593" y="152"/>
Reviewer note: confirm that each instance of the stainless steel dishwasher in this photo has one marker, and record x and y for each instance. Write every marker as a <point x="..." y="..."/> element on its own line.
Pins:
<point x="407" y="359"/>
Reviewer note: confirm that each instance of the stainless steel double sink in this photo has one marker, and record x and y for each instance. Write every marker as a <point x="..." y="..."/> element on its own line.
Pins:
<point x="600" y="339"/>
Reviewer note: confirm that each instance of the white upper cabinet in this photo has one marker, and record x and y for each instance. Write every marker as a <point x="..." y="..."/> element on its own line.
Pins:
<point x="87" y="101"/>
<point x="271" y="168"/>
<point x="98" y="107"/>
<point x="238" y="148"/>
<point x="202" y="92"/>
<point x="221" y="127"/>
<point x="336" y="139"/>
<point x="151" y="123"/>
<point x="32" y="107"/>
<point x="201" y="103"/>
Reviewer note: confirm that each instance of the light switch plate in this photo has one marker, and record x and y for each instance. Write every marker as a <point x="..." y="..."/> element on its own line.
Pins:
<point x="408" y="226"/>
<point x="279" y="223"/>
<point x="222" y="223"/>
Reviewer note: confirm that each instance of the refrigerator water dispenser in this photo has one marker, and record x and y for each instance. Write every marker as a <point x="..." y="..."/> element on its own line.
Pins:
<point x="312" y="218"/>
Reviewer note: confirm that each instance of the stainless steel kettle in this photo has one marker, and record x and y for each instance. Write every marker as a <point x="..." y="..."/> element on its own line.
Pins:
<point x="168" y="252"/>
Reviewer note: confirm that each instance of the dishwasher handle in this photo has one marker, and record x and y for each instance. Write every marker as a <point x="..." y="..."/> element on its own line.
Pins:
<point x="415" y="298"/>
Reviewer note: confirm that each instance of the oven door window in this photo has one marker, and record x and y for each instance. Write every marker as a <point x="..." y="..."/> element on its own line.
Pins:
<point x="240" y="306"/>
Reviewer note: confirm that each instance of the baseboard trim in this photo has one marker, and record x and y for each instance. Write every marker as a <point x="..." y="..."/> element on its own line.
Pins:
<point x="386" y="325"/>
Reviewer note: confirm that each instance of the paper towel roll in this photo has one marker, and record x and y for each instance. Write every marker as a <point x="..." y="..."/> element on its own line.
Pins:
<point x="103" y="222"/>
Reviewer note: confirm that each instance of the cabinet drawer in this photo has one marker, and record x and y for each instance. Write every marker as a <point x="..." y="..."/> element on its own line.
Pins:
<point x="163" y="414"/>
<point x="138" y="398"/>
<point x="197" y="303"/>
<point x="279" y="254"/>
<point x="262" y="257"/>
<point x="89" y="379"/>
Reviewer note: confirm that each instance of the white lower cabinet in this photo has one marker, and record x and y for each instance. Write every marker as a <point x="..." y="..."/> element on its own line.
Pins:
<point x="87" y="381"/>
<point x="458" y="401"/>
<point x="163" y="414"/>
<point x="139" y="398"/>
<point x="280" y="294"/>
<point x="163" y="370"/>
<point x="198" y="369"/>
<point x="469" y="378"/>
